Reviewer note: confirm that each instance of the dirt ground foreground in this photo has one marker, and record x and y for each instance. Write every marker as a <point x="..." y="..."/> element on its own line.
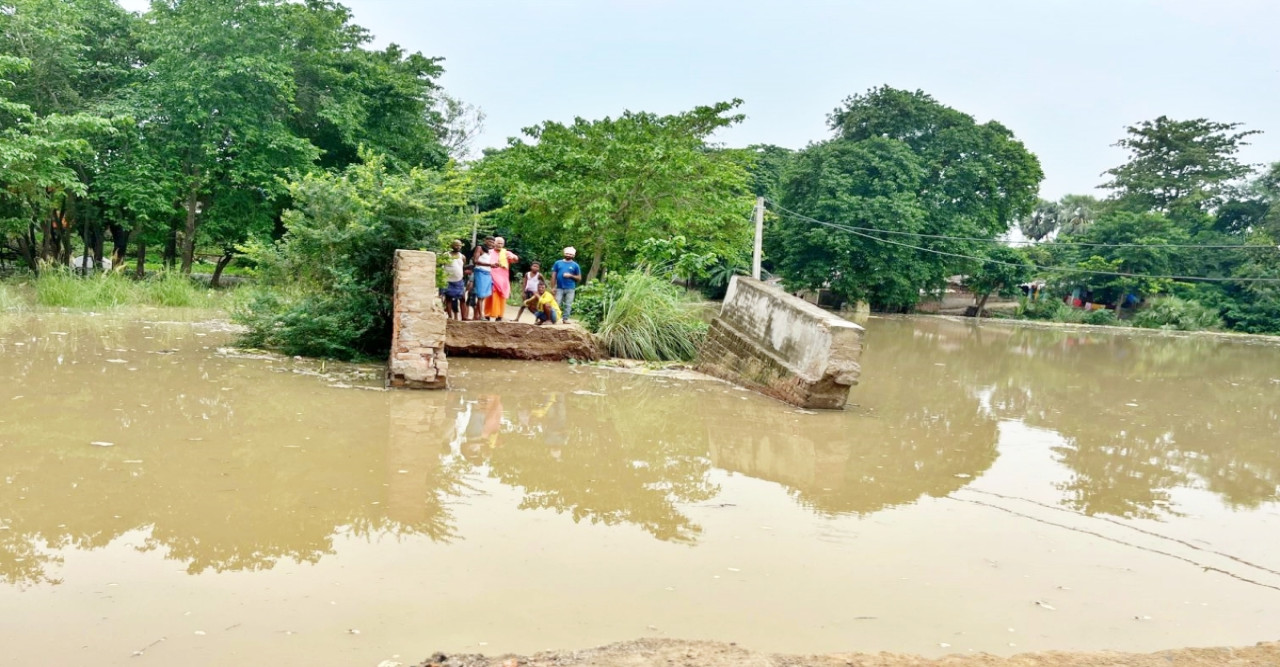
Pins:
<point x="669" y="653"/>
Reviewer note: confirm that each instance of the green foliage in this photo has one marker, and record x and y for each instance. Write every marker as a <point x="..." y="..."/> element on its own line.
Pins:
<point x="311" y="324"/>
<point x="606" y="186"/>
<point x="1178" y="167"/>
<point x="1138" y="245"/>
<point x="590" y="301"/>
<point x="1008" y="268"/>
<point x="61" y="288"/>
<point x="342" y="234"/>
<point x="1044" y="309"/>
<point x="1101" y="317"/>
<point x="900" y="161"/>
<point x="1171" y="312"/>
<point x="1043" y="220"/>
<point x="644" y="317"/>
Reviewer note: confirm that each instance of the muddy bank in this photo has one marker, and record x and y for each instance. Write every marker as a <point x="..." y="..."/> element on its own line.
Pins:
<point x="666" y="652"/>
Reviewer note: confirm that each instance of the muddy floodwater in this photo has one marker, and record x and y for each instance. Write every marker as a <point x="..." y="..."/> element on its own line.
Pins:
<point x="165" y="500"/>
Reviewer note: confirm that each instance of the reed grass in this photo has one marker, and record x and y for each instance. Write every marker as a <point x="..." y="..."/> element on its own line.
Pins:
<point x="60" y="288"/>
<point x="646" y="318"/>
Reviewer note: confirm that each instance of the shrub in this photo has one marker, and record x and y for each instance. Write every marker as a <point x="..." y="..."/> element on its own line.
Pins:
<point x="1045" y="308"/>
<point x="1101" y="317"/>
<point x="307" y="324"/>
<point x="1171" y="312"/>
<point x="645" y="317"/>
<point x="336" y="257"/>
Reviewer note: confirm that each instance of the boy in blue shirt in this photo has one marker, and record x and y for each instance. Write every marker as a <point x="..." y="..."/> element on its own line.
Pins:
<point x="566" y="274"/>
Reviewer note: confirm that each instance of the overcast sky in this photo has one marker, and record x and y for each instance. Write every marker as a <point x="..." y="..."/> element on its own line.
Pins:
<point x="1065" y="75"/>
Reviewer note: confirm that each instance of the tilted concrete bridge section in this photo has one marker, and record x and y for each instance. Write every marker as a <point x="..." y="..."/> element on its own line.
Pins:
<point x="767" y="340"/>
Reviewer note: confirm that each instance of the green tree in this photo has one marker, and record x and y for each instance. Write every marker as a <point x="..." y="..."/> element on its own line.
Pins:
<point x="1178" y="167"/>
<point x="903" y="162"/>
<point x="1003" y="271"/>
<point x="347" y="96"/>
<point x="217" y="101"/>
<point x="1043" y="220"/>
<point x="336" y="256"/>
<point x="613" y="183"/>
<point x="1136" y="244"/>
<point x="36" y="176"/>
<point x="1077" y="212"/>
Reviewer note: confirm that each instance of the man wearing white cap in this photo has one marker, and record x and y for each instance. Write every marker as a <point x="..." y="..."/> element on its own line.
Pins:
<point x="566" y="274"/>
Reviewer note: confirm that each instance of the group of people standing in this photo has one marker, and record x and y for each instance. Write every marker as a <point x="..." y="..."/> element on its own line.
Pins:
<point x="479" y="288"/>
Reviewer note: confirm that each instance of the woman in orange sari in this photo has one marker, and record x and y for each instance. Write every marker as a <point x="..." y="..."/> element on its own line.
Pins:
<point x="496" y="305"/>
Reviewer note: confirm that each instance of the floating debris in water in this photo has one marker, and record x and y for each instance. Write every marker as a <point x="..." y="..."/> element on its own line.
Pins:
<point x="101" y="443"/>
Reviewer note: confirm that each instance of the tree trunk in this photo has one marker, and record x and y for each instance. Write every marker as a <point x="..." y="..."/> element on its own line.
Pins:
<point x="597" y="260"/>
<point x="189" y="232"/>
<point x="171" y="249"/>
<point x="27" y="247"/>
<point x="141" y="271"/>
<point x="223" y="262"/>
<point x="119" y="244"/>
<point x="982" y="304"/>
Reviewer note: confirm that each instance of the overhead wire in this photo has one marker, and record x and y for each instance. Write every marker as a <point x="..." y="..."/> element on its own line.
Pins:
<point x="946" y="237"/>
<point x="991" y="260"/>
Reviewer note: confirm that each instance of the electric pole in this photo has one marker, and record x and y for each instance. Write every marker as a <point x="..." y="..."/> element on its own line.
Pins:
<point x="755" y="252"/>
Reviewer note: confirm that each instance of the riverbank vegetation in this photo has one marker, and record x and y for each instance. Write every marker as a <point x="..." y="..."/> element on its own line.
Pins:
<point x="270" y="133"/>
<point x="60" y="288"/>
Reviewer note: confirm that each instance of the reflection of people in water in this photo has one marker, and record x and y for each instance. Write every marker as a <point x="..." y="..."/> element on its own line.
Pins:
<point x="555" y="428"/>
<point x="483" y="427"/>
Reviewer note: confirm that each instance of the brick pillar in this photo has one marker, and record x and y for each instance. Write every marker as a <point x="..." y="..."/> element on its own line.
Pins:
<point x="418" y="325"/>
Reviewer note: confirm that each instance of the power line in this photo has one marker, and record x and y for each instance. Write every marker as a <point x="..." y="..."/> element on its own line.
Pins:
<point x="1061" y="269"/>
<point x="1081" y="244"/>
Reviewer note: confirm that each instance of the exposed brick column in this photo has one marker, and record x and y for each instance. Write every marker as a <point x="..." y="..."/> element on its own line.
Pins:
<point x="418" y="325"/>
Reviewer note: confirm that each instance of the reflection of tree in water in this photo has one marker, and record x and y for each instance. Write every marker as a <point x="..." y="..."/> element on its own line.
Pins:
<point x="913" y="435"/>
<point x="1141" y="414"/>
<point x="626" y="452"/>
<point x="218" y="480"/>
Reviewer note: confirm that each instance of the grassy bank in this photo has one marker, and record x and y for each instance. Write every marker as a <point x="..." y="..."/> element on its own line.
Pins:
<point x="64" y="289"/>
<point x="1168" y="313"/>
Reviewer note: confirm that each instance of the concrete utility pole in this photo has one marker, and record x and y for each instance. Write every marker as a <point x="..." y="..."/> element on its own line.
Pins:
<point x="755" y="251"/>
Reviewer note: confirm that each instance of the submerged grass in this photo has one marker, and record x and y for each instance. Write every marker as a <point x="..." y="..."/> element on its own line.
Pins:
<point x="646" y="318"/>
<point x="10" y="299"/>
<point x="59" y="288"/>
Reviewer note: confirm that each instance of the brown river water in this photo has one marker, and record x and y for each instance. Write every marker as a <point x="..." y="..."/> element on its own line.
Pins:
<point x="166" y="500"/>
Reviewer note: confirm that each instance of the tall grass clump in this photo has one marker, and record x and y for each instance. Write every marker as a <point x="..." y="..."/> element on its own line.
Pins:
<point x="10" y="299"/>
<point x="1178" y="314"/>
<point x="62" y="288"/>
<point x="645" y="317"/>
<point x="174" y="290"/>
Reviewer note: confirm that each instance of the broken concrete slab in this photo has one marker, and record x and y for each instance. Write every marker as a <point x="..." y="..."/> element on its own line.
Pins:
<point x="782" y="346"/>
<point x="418" y="325"/>
<point x="520" y="340"/>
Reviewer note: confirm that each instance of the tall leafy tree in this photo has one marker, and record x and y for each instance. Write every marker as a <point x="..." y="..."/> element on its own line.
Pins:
<point x="347" y="96"/>
<point x="217" y="103"/>
<point x="613" y="183"/>
<point x="1178" y="166"/>
<point x="903" y="162"/>
<point x="36" y="176"/>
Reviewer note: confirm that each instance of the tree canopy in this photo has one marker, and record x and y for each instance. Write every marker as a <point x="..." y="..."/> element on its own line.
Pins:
<point x="611" y="184"/>
<point x="903" y="162"/>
